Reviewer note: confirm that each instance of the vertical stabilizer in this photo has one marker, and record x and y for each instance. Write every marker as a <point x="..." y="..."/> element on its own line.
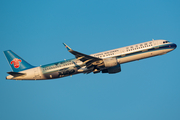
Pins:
<point x="17" y="63"/>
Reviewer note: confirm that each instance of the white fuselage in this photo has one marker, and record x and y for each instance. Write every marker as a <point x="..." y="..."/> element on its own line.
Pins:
<point x="123" y="55"/>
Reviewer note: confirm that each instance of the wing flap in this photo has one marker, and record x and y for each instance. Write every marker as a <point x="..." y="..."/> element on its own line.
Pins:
<point x="86" y="59"/>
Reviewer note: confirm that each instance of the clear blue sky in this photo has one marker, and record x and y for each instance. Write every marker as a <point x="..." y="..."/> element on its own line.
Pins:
<point x="148" y="89"/>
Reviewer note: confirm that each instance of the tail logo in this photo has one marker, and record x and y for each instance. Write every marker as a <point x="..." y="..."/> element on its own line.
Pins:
<point x="16" y="62"/>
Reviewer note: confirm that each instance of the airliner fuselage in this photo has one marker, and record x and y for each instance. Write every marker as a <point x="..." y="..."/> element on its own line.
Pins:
<point x="105" y="62"/>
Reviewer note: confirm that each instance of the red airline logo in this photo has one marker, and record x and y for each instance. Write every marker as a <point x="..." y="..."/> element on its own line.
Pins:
<point x="16" y="61"/>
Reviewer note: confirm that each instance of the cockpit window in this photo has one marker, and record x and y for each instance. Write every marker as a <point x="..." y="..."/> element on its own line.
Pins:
<point x="165" y="41"/>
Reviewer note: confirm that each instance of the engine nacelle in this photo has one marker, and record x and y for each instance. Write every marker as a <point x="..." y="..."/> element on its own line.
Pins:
<point x="112" y="70"/>
<point x="112" y="66"/>
<point x="110" y="62"/>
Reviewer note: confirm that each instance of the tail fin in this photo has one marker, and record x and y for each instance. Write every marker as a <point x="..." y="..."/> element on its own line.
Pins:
<point x="17" y="63"/>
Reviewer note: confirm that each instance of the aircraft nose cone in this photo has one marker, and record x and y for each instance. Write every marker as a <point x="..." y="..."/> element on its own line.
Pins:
<point x="174" y="45"/>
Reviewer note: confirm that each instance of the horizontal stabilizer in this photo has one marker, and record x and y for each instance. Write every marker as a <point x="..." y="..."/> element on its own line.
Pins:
<point x="15" y="74"/>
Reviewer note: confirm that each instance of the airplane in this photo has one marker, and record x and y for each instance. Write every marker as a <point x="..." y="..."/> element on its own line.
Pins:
<point x="105" y="62"/>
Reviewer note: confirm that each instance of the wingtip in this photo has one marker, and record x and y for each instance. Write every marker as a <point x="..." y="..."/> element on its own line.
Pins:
<point x="64" y="44"/>
<point x="67" y="47"/>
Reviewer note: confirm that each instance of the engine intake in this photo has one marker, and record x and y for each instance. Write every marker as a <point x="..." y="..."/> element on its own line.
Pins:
<point x="110" y="62"/>
<point x="112" y="66"/>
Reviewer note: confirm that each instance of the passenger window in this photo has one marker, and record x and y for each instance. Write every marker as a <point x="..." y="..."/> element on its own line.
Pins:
<point x="165" y="41"/>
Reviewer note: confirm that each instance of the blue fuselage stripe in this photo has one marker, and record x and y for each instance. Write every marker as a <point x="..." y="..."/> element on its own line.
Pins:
<point x="156" y="48"/>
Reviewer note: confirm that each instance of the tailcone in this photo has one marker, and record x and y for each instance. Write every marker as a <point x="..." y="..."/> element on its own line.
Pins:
<point x="9" y="77"/>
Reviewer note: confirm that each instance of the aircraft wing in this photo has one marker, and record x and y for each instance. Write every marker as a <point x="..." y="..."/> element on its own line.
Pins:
<point x="88" y="60"/>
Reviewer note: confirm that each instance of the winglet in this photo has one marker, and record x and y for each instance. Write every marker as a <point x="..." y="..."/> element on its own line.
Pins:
<point x="68" y="48"/>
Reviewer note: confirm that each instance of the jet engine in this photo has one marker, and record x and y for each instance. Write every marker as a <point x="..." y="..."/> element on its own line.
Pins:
<point x="112" y="66"/>
<point x="110" y="62"/>
<point x="112" y="70"/>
